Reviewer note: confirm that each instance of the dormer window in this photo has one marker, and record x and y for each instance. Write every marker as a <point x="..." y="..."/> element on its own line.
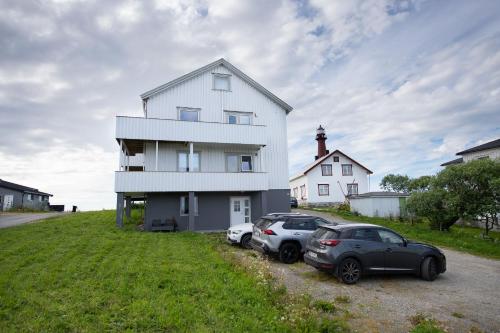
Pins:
<point x="222" y="82"/>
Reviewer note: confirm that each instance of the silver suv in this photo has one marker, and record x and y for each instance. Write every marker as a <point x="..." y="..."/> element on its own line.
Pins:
<point x="285" y="234"/>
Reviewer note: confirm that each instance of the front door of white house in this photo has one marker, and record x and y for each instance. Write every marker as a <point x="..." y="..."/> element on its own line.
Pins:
<point x="239" y="210"/>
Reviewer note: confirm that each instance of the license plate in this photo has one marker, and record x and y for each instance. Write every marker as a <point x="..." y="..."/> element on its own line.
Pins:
<point x="313" y="254"/>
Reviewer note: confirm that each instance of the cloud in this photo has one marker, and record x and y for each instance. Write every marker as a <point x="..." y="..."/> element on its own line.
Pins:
<point x="400" y="85"/>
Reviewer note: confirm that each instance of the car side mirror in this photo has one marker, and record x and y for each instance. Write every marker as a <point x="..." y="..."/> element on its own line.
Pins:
<point x="405" y="242"/>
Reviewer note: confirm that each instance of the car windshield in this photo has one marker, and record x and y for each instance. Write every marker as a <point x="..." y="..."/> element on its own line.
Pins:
<point x="263" y="223"/>
<point x="324" y="233"/>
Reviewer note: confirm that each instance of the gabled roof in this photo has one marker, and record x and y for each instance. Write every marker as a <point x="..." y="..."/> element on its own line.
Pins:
<point x="21" y="188"/>
<point x="484" y="146"/>
<point x="210" y="66"/>
<point x="455" y="161"/>
<point x="319" y="160"/>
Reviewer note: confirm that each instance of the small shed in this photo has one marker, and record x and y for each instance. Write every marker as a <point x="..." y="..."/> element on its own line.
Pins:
<point x="379" y="204"/>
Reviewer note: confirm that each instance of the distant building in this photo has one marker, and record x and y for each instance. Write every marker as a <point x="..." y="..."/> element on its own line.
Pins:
<point x="331" y="178"/>
<point x="18" y="196"/>
<point x="487" y="150"/>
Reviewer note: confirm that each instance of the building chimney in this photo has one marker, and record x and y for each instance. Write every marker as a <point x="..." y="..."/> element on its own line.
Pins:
<point x="321" y="138"/>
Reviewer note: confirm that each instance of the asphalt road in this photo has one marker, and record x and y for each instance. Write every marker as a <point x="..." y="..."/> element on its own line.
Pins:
<point x="13" y="219"/>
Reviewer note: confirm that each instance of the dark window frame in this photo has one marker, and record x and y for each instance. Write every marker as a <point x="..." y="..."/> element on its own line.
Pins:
<point x="346" y="174"/>
<point x="336" y="159"/>
<point x="357" y="188"/>
<point x="328" y="190"/>
<point x="323" y="170"/>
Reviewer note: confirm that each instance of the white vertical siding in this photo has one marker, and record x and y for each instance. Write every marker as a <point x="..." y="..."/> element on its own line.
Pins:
<point x="337" y="183"/>
<point x="198" y="93"/>
<point x="491" y="153"/>
<point x="373" y="206"/>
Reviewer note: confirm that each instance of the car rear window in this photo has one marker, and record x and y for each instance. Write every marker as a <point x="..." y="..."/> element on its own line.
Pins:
<point x="263" y="223"/>
<point x="324" y="233"/>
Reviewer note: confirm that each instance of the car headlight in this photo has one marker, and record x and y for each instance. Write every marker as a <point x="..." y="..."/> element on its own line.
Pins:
<point x="236" y="231"/>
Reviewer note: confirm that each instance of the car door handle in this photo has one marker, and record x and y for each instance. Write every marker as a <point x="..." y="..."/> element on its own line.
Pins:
<point x="388" y="250"/>
<point x="357" y="246"/>
<point x="297" y="234"/>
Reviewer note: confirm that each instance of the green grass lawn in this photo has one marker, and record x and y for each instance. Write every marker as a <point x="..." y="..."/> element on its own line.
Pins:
<point x="80" y="273"/>
<point x="462" y="238"/>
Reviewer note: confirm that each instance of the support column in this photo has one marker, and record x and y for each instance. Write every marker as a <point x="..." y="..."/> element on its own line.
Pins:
<point x="156" y="160"/>
<point x="191" y="211"/>
<point x="263" y="202"/>
<point x="119" y="210"/>
<point x="128" y="208"/>
<point x="190" y="160"/>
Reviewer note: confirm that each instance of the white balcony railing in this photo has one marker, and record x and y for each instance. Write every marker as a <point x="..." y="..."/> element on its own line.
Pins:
<point x="163" y="181"/>
<point x="187" y="131"/>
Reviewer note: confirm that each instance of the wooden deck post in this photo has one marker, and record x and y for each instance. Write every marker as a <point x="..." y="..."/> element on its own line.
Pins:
<point x="128" y="208"/>
<point x="191" y="211"/>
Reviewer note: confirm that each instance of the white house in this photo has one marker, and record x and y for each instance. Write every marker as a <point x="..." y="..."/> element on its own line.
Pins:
<point x="379" y="204"/>
<point x="210" y="151"/>
<point x="331" y="177"/>
<point x="487" y="150"/>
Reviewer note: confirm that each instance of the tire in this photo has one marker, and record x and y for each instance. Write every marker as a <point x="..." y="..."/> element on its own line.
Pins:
<point x="429" y="269"/>
<point x="245" y="241"/>
<point x="289" y="253"/>
<point x="349" y="271"/>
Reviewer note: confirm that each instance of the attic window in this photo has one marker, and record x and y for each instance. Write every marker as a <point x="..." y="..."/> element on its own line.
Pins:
<point x="335" y="158"/>
<point x="222" y="82"/>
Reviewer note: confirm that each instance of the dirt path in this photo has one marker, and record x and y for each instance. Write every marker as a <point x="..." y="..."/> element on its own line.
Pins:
<point x="466" y="296"/>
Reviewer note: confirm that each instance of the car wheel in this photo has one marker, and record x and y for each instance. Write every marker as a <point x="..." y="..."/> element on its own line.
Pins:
<point x="245" y="241"/>
<point x="429" y="269"/>
<point x="289" y="253"/>
<point x="350" y="271"/>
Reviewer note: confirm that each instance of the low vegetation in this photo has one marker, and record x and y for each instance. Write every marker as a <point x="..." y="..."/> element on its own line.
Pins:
<point x="461" y="238"/>
<point x="468" y="191"/>
<point x="424" y="324"/>
<point x="79" y="273"/>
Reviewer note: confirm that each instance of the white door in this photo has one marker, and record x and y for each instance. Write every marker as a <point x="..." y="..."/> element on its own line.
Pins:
<point x="8" y="200"/>
<point x="239" y="210"/>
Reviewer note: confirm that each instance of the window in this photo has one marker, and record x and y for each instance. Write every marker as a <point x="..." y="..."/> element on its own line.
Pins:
<point x="30" y="197"/>
<point x="242" y="118"/>
<point x="183" y="161"/>
<point x="40" y="198"/>
<point x="303" y="191"/>
<point x="352" y="189"/>
<point x="323" y="189"/>
<point x="188" y="114"/>
<point x="222" y="82"/>
<point x="346" y="169"/>
<point x="239" y="163"/>
<point x="326" y="169"/>
<point x="185" y="206"/>
<point x="300" y="224"/>
<point x="335" y="158"/>
<point x="365" y="234"/>
<point x="236" y="206"/>
<point x="319" y="221"/>
<point x="246" y="163"/>
<point x="232" y="163"/>
<point x="390" y="237"/>
<point x="296" y="192"/>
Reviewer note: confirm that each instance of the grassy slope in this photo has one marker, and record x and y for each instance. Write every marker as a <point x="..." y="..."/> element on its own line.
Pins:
<point x="460" y="238"/>
<point x="79" y="273"/>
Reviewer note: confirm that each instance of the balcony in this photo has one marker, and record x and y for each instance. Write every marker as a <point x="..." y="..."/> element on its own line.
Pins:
<point x="164" y="181"/>
<point x="151" y="129"/>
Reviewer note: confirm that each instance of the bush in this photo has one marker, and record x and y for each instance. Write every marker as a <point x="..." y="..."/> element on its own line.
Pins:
<point x="433" y="205"/>
<point x="345" y="207"/>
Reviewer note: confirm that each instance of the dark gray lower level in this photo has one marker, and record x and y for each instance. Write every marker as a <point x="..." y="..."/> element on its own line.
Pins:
<point x="214" y="211"/>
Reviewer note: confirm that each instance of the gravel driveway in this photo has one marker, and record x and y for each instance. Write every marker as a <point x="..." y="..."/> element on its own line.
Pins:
<point x="13" y="219"/>
<point x="466" y="296"/>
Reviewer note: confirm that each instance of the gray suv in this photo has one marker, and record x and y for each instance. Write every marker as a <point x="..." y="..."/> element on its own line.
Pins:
<point x="285" y="234"/>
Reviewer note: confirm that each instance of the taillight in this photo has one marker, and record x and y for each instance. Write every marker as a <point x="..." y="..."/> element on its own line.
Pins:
<point x="268" y="232"/>
<point x="330" y="242"/>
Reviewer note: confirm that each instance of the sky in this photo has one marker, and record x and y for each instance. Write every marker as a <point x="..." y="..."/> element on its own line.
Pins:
<point x="399" y="85"/>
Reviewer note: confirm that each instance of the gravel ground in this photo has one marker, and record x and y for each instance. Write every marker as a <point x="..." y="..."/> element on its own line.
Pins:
<point x="13" y="219"/>
<point x="466" y="296"/>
